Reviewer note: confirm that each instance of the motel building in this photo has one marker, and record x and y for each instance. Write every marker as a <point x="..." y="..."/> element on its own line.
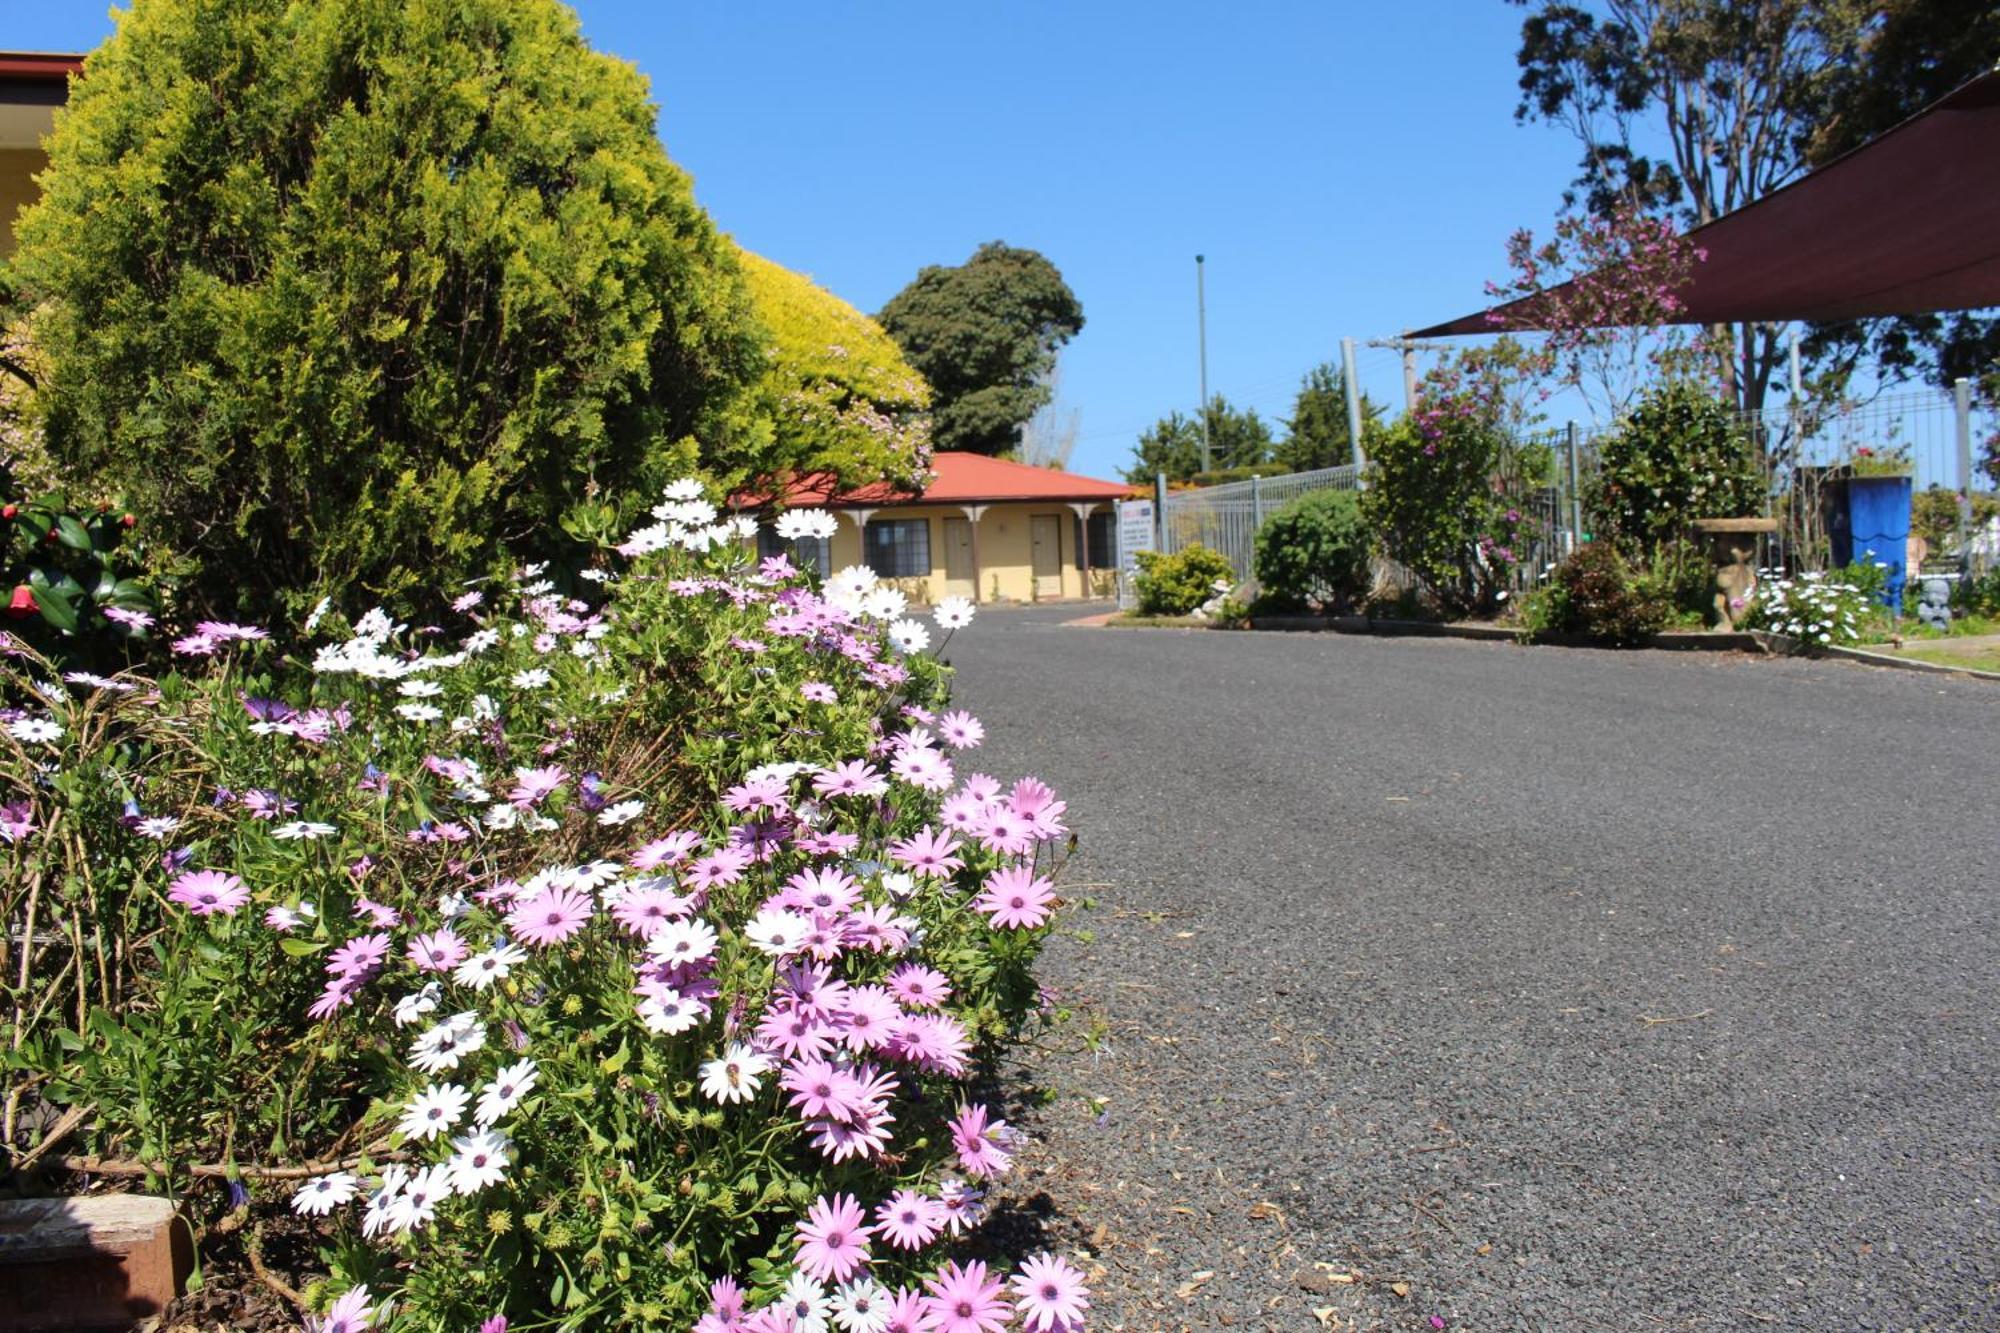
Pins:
<point x="985" y="528"/>
<point x="32" y="86"/>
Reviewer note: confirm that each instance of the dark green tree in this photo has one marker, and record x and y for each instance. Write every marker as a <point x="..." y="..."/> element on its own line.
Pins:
<point x="1907" y="55"/>
<point x="985" y="335"/>
<point x="370" y="294"/>
<point x="1316" y="433"/>
<point x="1237" y="437"/>
<point x="1172" y="445"/>
<point x="1730" y="90"/>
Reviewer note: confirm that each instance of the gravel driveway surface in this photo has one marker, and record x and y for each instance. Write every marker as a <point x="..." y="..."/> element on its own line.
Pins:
<point x="1431" y="984"/>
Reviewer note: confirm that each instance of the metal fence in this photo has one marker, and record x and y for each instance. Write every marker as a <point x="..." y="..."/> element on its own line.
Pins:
<point x="1547" y="477"/>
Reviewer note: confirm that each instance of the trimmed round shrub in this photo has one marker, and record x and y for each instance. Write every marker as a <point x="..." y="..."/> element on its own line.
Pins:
<point x="1175" y="585"/>
<point x="362" y="293"/>
<point x="1679" y="456"/>
<point x="1314" y="552"/>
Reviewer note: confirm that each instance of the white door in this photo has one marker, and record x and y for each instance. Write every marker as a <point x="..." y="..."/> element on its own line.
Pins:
<point x="1046" y="532"/>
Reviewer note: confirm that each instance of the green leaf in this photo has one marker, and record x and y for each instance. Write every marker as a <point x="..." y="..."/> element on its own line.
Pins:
<point x="71" y="534"/>
<point x="298" y="948"/>
<point x="56" y="608"/>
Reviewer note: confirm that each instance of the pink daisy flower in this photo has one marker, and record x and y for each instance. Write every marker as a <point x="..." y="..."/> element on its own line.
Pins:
<point x="818" y="692"/>
<point x="936" y="1043"/>
<point x="856" y="777"/>
<point x="833" y="1240"/>
<point x="1000" y="830"/>
<point x="965" y="1300"/>
<point x="359" y="957"/>
<point x="1015" y="899"/>
<point x="977" y="1140"/>
<point x="644" y="911"/>
<point x="1050" y="1296"/>
<point x="928" y="853"/>
<point x="794" y="1035"/>
<point x="961" y="730"/>
<point x="439" y="951"/>
<point x="668" y="851"/>
<point x="209" y="892"/>
<point x="349" y="1314"/>
<point x="549" y="917"/>
<point x="909" y="1219"/>
<point x="869" y="1020"/>
<point x="905" y="1312"/>
<point x="919" y="987"/>
<point x="927" y="770"/>
<point x="531" y="785"/>
<point x="718" y="868"/>
<point x="821" y="889"/>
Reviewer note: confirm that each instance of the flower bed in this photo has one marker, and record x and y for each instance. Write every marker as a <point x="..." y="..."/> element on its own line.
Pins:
<point x="619" y="956"/>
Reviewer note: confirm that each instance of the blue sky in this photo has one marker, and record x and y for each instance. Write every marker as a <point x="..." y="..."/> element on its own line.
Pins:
<point x="1348" y="169"/>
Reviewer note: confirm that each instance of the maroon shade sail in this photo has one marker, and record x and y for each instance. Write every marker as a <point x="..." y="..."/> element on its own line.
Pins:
<point x="1906" y="224"/>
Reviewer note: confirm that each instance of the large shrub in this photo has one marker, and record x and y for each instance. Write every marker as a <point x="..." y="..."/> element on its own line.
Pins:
<point x="1174" y="585"/>
<point x="1679" y="456"/>
<point x="1596" y="594"/>
<point x="360" y="293"/>
<point x="836" y="394"/>
<point x="1432" y="500"/>
<point x="595" y="950"/>
<point x="1314" y="552"/>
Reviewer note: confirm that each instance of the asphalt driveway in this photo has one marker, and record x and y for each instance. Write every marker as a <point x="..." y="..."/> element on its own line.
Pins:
<point x="1430" y="984"/>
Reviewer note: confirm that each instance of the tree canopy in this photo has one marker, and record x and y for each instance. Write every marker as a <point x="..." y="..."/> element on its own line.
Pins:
<point x="1698" y="107"/>
<point x="370" y="292"/>
<point x="1316" y="433"/>
<point x="1238" y="438"/>
<point x="985" y="335"/>
<point x="836" y="395"/>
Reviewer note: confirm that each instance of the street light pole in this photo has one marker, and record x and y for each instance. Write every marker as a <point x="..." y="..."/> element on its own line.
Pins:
<point x="1201" y="323"/>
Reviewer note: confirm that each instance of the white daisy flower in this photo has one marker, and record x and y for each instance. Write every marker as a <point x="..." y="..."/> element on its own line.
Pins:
<point x="734" y="1075"/>
<point x="418" y="1202"/>
<point x="682" y="941"/>
<point x="420" y="689"/>
<point x="670" y="1013"/>
<point x="419" y="712"/>
<point x="34" y="730"/>
<point x="483" y="969"/>
<point x="505" y="1092"/>
<point x="953" y="613"/>
<point x="910" y="636"/>
<point x="797" y="523"/>
<point x="884" y="602"/>
<point x="322" y="1194"/>
<point x="622" y="813"/>
<point x="533" y="678"/>
<point x="445" y="1045"/>
<point x="481" y="1160"/>
<point x="417" y="1003"/>
<point x="434" y="1111"/>
<point x="304" y="829"/>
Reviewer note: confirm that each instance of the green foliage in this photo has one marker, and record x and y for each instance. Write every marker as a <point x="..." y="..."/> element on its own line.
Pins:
<point x="1431" y="499"/>
<point x="1314" y="552"/>
<point x="1238" y="442"/>
<point x="190" y="1036"/>
<point x="838" y="397"/>
<point x="364" y="293"/>
<point x="1934" y="515"/>
<point x="1174" y="585"/>
<point x="64" y="568"/>
<point x="1595" y="593"/>
<point x="1678" y="456"/>
<point x="1316" y="433"/>
<point x="1978" y="596"/>
<point x="1172" y="445"/>
<point x="985" y="335"/>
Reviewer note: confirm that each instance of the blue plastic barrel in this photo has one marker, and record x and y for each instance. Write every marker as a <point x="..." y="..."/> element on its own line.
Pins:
<point x="1872" y="523"/>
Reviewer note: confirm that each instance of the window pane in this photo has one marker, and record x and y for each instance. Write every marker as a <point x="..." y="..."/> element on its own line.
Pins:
<point x="806" y="552"/>
<point x="899" y="548"/>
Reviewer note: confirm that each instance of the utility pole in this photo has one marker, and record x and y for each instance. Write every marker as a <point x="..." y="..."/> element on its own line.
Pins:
<point x="1201" y="322"/>
<point x="1409" y="349"/>
<point x="1353" y="400"/>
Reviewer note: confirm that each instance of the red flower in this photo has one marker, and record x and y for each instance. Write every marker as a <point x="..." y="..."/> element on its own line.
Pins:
<point x="23" y="604"/>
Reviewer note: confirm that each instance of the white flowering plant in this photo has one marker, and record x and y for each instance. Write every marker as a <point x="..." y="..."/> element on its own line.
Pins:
<point x="620" y="955"/>
<point x="1816" y="609"/>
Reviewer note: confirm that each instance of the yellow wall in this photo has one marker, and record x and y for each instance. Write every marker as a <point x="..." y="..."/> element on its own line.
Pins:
<point x="1005" y="546"/>
<point x="17" y="187"/>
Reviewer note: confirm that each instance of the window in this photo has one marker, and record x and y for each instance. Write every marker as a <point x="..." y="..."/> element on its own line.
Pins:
<point x="814" y="553"/>
<point x="1103" y="548"/>
<point x="899" y="548"/>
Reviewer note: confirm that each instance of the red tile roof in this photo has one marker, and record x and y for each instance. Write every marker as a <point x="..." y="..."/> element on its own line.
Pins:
<point x="963" y="478"/>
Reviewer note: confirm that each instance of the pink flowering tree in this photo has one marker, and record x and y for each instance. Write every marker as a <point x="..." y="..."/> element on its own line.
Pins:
<point x="1604" y="290"/>
<point x="618" y="952"/>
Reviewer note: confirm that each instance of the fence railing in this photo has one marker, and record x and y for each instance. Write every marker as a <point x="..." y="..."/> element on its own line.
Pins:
<point x="1547" y="477"/>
